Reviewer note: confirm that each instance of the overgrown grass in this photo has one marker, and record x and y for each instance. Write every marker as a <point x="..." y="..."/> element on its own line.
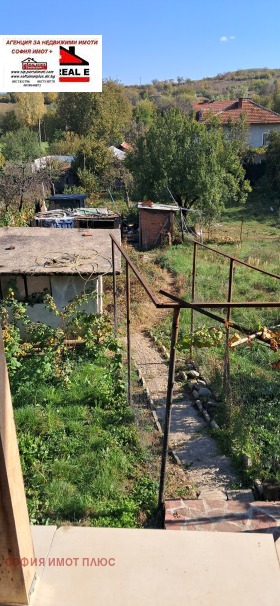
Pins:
<point x="81" y="457"/>
<point x="253" y="423"/>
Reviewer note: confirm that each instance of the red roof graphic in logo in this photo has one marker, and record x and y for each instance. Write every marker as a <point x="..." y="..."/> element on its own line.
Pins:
<point x="31" y="64"/>
<point x="69" y="57"/>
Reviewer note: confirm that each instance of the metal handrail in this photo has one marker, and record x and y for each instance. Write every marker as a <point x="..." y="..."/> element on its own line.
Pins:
<point x="177" y="305"/>
<point x="142" y="280"/>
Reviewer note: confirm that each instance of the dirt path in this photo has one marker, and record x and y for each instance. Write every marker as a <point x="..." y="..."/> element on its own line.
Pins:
<point x="208" y="469"/>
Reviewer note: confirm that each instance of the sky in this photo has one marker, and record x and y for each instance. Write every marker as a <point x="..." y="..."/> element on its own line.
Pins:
<point x="145" y="40"/>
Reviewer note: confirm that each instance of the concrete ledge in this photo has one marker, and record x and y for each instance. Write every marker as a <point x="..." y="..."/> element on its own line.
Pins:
<point x="102" y="566"/>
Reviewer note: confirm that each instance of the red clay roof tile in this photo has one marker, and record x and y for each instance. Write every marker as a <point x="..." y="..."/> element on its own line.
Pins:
<point x="231" y="110"/>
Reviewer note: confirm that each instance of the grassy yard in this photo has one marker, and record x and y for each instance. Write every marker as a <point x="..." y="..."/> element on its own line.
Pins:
<point x="81" y="456"/>
<point x="253" y="425"/>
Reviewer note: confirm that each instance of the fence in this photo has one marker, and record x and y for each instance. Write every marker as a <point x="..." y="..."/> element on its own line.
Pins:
<point x="197" y="309"/>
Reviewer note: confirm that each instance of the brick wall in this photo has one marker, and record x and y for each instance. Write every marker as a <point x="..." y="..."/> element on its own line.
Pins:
<point x="155" y="225"/>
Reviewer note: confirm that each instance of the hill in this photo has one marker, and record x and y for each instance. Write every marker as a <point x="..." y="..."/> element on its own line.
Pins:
<point x="261" y="84"/>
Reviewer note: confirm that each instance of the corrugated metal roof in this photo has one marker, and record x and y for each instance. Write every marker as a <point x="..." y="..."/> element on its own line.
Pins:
<point x="42" y="162"/>
<point x="118" y="153"/>
<point x="65" y="197"/>
<point x="162" y="207"/>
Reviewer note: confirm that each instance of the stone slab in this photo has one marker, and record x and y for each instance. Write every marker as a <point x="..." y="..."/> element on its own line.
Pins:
<point x="240" y="495"/>
<point x="212" y="495"/>
<point x="208" y="467"/>
<point x="158" y="567"/>
<point x="223" y="516"/>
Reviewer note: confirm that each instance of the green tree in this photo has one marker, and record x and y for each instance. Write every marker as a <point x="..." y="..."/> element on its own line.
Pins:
<point x="68" y="145"/>
<point x="276" y="97"/>
<point x="74" y="112"/>
<point x="30" y="108"/>
<point x="19" y="185"/>
<point x="93" y="155"/>
<point x="238" y="133"/>
<point x="21" y="145"/>
<point x="272" y="172"/>
<point x="9" y="122"/>
<point x="103" y="116"/>
<point x="49" y="98"/>
<point x="144" y="112"/>
<point x="88" y="182"/>
<point x="117" y="177"/>
<point x="92" y="160"/>
<point x="195" y="161"/>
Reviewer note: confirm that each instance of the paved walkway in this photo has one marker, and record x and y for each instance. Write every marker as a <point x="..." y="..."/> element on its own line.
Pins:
<point x="218" y="507"/>
<point x="223" y="516"/>
<point x="207" y="467"/>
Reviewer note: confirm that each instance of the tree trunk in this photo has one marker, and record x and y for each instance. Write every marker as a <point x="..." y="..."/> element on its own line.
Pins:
<point x="126" y="197"/>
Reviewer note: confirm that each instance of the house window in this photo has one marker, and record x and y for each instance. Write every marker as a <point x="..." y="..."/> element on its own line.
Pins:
<point x="37" y="288"/>
<point x="25" y="288"/>
<point x="14" y="283"/>
<point x="266" y="138"/>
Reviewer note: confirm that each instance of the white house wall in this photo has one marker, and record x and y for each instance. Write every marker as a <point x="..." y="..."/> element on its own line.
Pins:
<point x="64" y="289"/>
<point x="257" y="131"/>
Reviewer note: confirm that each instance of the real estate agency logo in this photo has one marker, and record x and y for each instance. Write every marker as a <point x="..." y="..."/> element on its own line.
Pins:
<point x="72" y="67"/>
<point x="31" y="64"/>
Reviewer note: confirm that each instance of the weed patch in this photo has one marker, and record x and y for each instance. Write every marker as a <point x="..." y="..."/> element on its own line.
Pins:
<point x="251" y="426"/>
<point x="81" y="457"/>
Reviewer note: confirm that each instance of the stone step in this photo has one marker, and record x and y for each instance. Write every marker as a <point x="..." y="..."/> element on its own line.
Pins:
<point x="223" y="515"/>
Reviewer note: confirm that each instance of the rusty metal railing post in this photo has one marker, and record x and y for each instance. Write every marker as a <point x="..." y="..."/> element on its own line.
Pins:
<point x="169" y="397"/>
<point x="226" y="382"/>
<point x="114" y="289"/>
<point x="127" y="288"/>
<point x="193" y="292"/>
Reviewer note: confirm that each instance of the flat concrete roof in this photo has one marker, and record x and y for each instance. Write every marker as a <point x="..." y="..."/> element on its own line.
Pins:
<point x="48" y="251"/>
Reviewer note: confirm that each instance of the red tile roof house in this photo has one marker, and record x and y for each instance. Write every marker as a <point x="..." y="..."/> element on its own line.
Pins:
<point x="261" y="120"/>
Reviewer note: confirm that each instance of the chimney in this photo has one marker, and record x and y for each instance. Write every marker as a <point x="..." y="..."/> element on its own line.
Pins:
<point x="240" y="102"/>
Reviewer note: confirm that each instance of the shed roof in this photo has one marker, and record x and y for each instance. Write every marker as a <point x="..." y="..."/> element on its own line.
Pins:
<point x="161" y="207"/>
<point x="66" y="197"/>
<point x="30" y="251"/>
<point x="79" y="213"/>
<point x="44" y="161"/>
<point x="118" y="153"/>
